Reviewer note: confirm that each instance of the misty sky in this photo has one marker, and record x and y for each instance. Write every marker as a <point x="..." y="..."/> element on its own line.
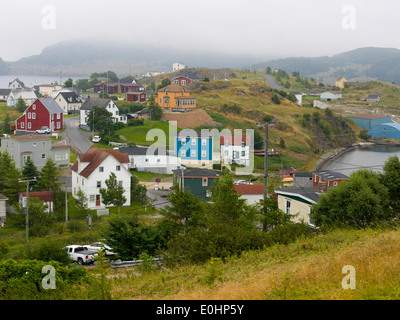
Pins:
<point x="262" y="28"/>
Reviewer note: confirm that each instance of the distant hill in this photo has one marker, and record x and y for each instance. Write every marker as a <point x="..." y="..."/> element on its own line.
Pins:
<point x="368" y="63"/>
<point x="86" y="57"/>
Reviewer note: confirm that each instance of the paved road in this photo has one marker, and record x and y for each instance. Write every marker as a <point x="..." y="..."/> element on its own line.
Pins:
<point x="271" y="81"/>
<point x="79" y="140"/>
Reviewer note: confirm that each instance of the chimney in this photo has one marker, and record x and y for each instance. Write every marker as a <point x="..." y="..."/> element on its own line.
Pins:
<point x="322" y="186"/>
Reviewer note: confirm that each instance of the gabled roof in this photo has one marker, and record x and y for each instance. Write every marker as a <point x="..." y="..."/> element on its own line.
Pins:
<point x="2" y="197"/>
<point x="234" y="139"/>
<point x="5" y="92"/>
<point x="308" y="194"/>
<point x="91" y="102"/>
<point x="70" y="97"/>
<point x="330" y="175"/>
<point x="368" y="116"/>
<point x="249" y="188"/>
<point x="95" y="157"/>
<point x="45" y="196"/>
<point x="373" y="96"/>
<point x="140" y="151"/>
<point x="173" y="87"/>
<point x="19" y="82"/>
<point x="51" y="105"/>
<point x="30" y="137"/>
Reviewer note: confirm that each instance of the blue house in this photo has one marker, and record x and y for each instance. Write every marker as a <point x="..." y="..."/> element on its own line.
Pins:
<point x="389" y="130"/>
<point x="197" y="181"/>
<point x="195" y="149"/>
<point x="367" y="121"/>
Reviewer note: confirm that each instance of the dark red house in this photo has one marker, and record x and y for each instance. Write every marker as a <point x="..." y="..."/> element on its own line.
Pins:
<point x="331" y="178"/>
<point x="44" y="112"/>
<point x="136" y="96"/>
<point x="116" y="87"/>
<point x="182" y="81"/>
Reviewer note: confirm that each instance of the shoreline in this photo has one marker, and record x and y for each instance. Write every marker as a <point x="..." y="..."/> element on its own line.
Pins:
<point x="325" y="159"/>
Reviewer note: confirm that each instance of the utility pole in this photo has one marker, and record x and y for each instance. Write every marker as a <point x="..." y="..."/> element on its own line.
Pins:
<point x="266" y="161"/>
<point x="27" y="207"/>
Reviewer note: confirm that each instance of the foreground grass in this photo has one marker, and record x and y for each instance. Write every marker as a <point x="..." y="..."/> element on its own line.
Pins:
<point x="307" y="269"/>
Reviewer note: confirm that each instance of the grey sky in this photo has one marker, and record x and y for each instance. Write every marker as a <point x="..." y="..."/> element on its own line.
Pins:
<point x="260" y="28"/>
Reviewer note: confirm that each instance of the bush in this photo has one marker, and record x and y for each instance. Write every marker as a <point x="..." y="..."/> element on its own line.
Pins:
<point x="136" y="122"/>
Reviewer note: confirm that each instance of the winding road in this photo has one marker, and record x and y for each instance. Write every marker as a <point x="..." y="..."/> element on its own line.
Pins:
<point x="79" y="140"/>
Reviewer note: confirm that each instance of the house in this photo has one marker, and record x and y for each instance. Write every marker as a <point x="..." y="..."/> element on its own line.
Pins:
<point x="3" y="200"/>
<point x="26" y="94"/>
<point x="320" y="105"/>
<point x="139" y="96"/>
<point x="146" y="159"/>
<point x="367" y="121"/>
<point x="108" y="104"/>
<point x="94" y="167"/>
<point x="195" y="149"/>
<point x="197" y="181"/>
<point x="117" y="87"/>
<point x="253" y="193"/>
<point x="178" y="66"/>
<point x="331" y="95"/>
<point x="37" y="147"/>
<point x="175" y="97"/>
<point x="303" y="179"/>
<point x="298" y="201"/>
<point x="45" y="196"/>
<point x="16" y="84"/>
<point x="299" y="97"/>
<point x="339" y="82"/>
<point x="69" y="101"/>
<point x="48" y="89"/>
<point x="389" y="130"/>
<point x="235" y="149"/>
<point x="286" y="172"/>
<point x="43" y="112"/>
<point x="373" y="98"/>
<point x="4" y="93"/>
<point x="181" y="81"/>
<point x="331" y="178"/>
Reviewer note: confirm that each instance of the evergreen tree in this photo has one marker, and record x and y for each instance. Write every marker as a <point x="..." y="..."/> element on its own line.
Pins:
<point x="114" y="193"/>
<point x="10" y="175"/>
<point x="49" y="178"/>
<point x="29" y="171"/>
<point x="99" y="119"/>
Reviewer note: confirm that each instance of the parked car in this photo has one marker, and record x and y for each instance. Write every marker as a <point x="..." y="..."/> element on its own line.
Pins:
<point x="96" y="139"/>
<point x="44" y="130"/>
<point x="99" y="246"/>
<point x="80" y="254"/>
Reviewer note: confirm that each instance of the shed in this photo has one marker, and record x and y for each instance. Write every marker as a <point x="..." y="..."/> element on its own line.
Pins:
<point x="389" y="130"/>
<point x="367" y="121"/>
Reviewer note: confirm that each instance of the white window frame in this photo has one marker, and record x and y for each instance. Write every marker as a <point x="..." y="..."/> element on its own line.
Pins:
<point x="288" y="206"/>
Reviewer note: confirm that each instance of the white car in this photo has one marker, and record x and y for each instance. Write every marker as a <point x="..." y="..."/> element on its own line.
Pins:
<point x="96" y="139"/>
<point x="99" y="246"/>
<point x="45" y="130"/>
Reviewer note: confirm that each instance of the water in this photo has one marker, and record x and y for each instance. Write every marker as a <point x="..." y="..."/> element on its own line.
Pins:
<point x="371" y="158"/>
<point x="31" y="81"/>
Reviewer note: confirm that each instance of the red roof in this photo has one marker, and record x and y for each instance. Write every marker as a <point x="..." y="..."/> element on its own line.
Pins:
<point x="95" y="157"/>
<point x="44" y="196"/>
<point x="368" y="116"/>
<point x="232" y="139"/>
<point x="3" y="197"/>
<point x="249" y="188"/>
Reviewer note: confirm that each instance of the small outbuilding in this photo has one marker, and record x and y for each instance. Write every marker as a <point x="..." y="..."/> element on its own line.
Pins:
<point x="389" y="130"/>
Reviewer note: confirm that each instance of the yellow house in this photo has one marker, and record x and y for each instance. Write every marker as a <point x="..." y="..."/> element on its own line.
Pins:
<point x="174" y="96"/>
<point x="339" y="82"/>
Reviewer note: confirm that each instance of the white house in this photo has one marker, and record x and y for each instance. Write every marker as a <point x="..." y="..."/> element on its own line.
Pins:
<point x="331" y="95"/>
<point x="235" y="149"/>
<point x="16" y="84"/>
<point x="47" y="197"/>
<point x="178" y="66"/>
<point x="48" y="89"/>
<point x="4" y="93"/>
<point x="146" y="159"/>
<point x="70" y="102"/>
<point x="27" y="94"/>
<point x="253" y="193"/>
<point x="299" y="97"/>
<point x="108" y="104"/>
<point x="94" y="167"/>
<point x="3" y="200"/>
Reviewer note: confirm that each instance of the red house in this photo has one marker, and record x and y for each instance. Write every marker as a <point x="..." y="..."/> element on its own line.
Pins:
<point x="116" y="87"/>
<point x="182" y="81"/>
<point x="44" y="112"/>
<point x="331" y="178"/>
<point x="136" y="96"/>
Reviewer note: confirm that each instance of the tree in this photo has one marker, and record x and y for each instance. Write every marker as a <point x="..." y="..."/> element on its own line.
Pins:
<point x="164" y="82"/>
<point x="49" y="178"/>
<point x="114" y="193"/>
<point x="21" y="105"/>
<point x="81" y="202"/>
<point x="359" y="202"/>
<point x="258" y="141"/>
<point x="275" y="99"/>
<point x="271" y="215"/>
<point x="10" y="175"/>
<point x="29" y="171"/>
<point x="154" y="109"/>
<point x="391" y="180"/>
<point x="100" y="120"/>
<point x="364" y="135"/>
<point x="138" y="191"/>
<point x="6" y="124"/>
<point x="287" y="84"/>
<point x="152" y="86"/>
<point x="69" y="83"/>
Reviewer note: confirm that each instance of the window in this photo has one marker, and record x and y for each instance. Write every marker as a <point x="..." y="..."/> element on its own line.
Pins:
<point x="43" y="145"/>
<point x="98" y="184"/>
<point x="22" y="125"/>
<point x="34" y="107"/>
<point x="193" y="153"/>
<point x="335" y="183"/>
<point x="203" y="153"/>
<point x="101" y="169"/>
<point x="183" y="153"/>
<point x="204" y="182"/>
<point x="34" y="144"/>
<point x="91" y="198"/>
<point x="243" y="144"/>
<point x="208" y="194"/>
<point x="158" y="160"/>
<point x="33" y="115"/>
<point x="120" y="183"/>
<point x="118" y="168"/>
<point x="183" y="141"/>
<point x="29" y="115"/>
<point x="183" y="82"/>
<point x="203" y="142"/>
<point x="58" y="125"/>
<point x="176" y="81"/>
<point x="58" y="115"/>
<point x="29" y="125"/>
<point x="146" y="160"/>
<point x="193" y="142"/>
<point x="43" y="155"/>
<point x="243" y="153"/>
<point x="288" y="205"/>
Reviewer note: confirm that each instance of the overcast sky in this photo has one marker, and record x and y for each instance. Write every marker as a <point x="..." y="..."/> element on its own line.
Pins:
<point x="263" y="28"/>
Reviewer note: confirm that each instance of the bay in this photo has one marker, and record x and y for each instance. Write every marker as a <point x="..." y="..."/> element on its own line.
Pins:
<point x="31" y="81"/>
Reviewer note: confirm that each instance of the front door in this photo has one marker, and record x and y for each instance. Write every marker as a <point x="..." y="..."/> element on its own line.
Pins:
<point x="97" y="200"/>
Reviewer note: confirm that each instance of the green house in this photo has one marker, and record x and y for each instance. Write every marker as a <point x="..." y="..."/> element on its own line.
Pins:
<point x="197" y="181"/>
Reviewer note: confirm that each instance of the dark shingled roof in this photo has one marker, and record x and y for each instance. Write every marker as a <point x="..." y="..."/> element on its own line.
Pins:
<point x="308" y="193"/>
<point x="70" y="97"/>
<point x="91" y="102"/>
<point x="141" y="150"/>
<point x="330" y="175"/>
<point x="196" y="173"/>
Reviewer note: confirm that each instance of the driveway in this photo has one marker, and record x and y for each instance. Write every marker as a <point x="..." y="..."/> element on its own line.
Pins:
<point x="78" y="140"/>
